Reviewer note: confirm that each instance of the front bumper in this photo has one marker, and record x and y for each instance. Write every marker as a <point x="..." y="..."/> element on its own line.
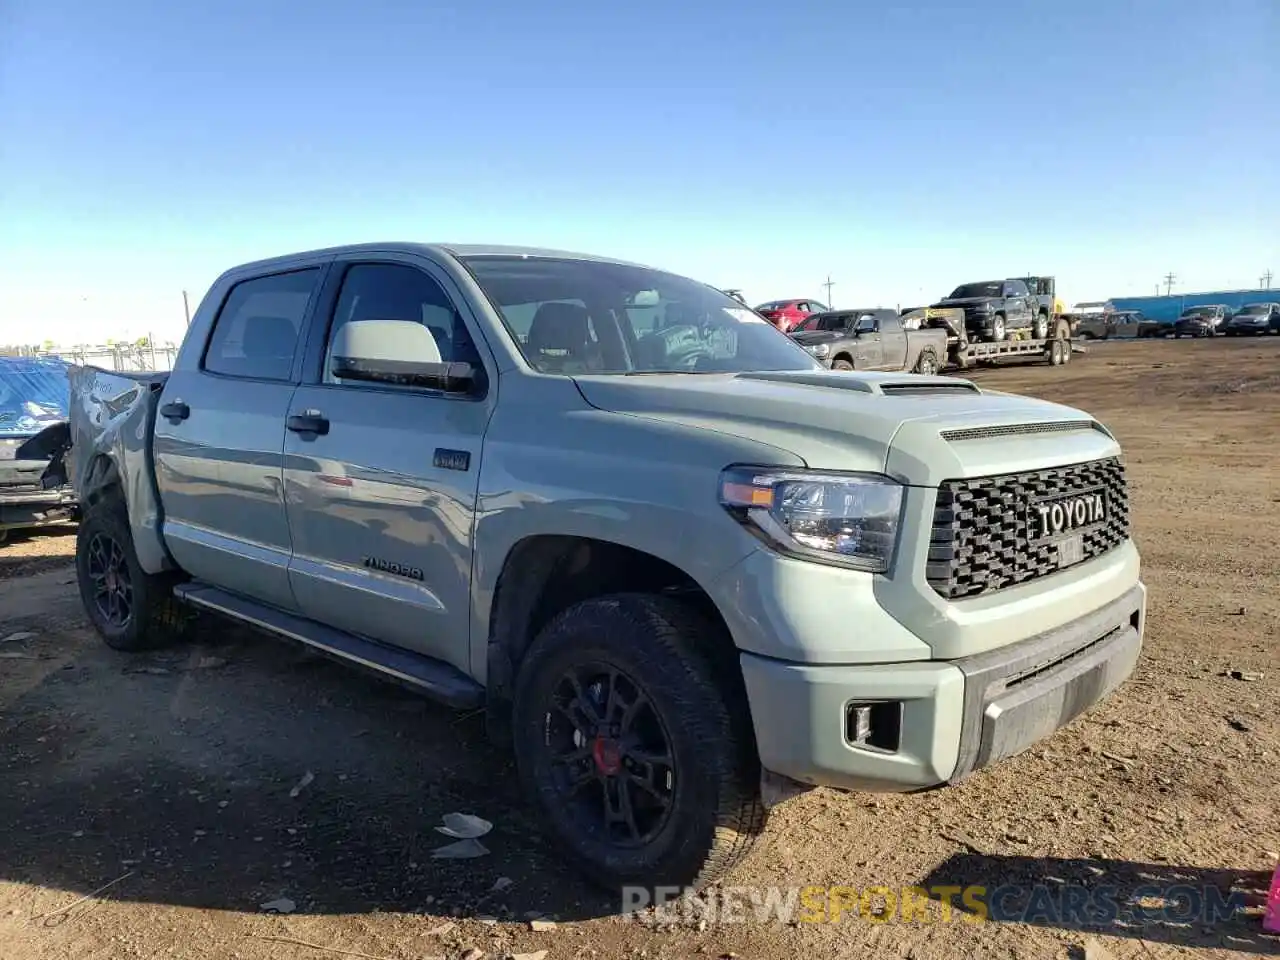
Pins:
<point x="37" y="509"/>
<point x="957" y="716"/>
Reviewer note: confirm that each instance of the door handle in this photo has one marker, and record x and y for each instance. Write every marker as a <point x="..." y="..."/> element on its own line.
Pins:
<point x="175" y="411"/>
<point x="313" y="423"/>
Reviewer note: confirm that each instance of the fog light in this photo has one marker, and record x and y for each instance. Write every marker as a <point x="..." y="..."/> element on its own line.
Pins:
<point x="877" y="725"/>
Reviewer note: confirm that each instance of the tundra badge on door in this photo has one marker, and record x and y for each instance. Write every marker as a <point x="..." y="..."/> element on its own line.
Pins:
<point x="399" y="569"/>
<point x="452" y="459"/>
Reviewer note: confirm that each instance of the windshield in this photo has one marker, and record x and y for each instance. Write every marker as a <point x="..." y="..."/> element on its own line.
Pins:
<point x="33" y="395"/>
<point x="976" y="290"/>
<point x="1254" y="310"/>
<point x="773" y="305"/>
<point x="591" y="317"/>
<point x="825" y="322"/>
<point x="1199" y="312"/>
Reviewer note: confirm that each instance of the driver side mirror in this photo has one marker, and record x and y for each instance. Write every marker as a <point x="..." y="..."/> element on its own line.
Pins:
<point x="397" y="352"/>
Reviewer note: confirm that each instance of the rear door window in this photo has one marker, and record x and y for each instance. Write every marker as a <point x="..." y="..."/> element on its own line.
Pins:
<point x="256" y="333"/>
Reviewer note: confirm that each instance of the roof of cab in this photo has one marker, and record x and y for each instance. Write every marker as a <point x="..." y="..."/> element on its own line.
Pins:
<point x="460" y="250"/>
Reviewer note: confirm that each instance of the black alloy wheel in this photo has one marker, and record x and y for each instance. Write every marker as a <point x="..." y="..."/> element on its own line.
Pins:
<point x="633" y="735"/>
<point x="108" y="571"/>
<point x="611" y="755"/>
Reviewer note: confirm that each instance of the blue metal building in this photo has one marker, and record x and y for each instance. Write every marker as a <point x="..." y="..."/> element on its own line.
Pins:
<point x="1167" y="309"/>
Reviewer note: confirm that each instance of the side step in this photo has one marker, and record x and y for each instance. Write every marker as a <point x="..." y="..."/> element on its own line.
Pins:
<point x="438" y="680"/>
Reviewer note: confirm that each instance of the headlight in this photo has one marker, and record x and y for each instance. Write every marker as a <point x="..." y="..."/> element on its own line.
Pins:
<point x="821" y="350"/>
<point x="846" y="519"/>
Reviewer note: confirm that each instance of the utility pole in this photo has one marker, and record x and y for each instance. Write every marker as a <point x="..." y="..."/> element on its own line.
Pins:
<point x="1266" y="279"/>
<point x="186" y="307"/>
<point x="829" y="284"/>
<point x="1169" y="280"/>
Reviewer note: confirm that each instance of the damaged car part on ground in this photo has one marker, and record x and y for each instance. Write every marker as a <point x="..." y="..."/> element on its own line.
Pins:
<point x="681" y="566"/>
<point x="34" y="438"/>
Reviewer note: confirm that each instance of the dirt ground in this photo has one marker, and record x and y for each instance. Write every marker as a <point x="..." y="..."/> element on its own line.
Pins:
<point x="168" y="776"/>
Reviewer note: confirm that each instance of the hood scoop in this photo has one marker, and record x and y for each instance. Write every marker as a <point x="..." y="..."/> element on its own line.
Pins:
<point x="883" y="384"/>
<point x="1022" y="429"/>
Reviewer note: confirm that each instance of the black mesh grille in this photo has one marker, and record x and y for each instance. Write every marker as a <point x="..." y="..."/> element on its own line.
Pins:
<point x="985" y="530"/>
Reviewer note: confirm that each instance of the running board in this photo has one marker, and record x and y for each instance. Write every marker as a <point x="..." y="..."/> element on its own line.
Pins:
<point x="436" y="679"/>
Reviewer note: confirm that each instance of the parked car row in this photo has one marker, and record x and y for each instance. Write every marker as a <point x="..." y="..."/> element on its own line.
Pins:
<point x="993" y="310"/>
<point x="1206" y="320"/>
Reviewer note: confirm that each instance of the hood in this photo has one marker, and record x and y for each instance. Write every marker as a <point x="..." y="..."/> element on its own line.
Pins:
<point x="963" y="301"/>
<point x="920" y="429"/>
<point x="809" y="338"/>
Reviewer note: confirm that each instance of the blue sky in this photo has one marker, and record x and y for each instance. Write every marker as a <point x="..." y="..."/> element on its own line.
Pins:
<point x="902" y="147"/>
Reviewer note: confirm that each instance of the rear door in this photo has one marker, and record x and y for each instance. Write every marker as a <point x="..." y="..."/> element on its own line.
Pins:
<point x="868" y="352"/>
<point x="219" y="438"/>
<point x="1018" y="308"/>
<point x="893" y="342"/>
<point x="381" y="506"/>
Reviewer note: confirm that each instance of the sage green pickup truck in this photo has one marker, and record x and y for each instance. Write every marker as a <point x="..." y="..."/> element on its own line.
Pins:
<point x="685" y="569"/>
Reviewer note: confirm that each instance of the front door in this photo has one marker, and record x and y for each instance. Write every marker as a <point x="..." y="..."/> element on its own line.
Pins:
<point x="382" y="499"/>
<point x="1124" y="325"/>
<point x="219" y="440"/>
<point x="868" y="351"/>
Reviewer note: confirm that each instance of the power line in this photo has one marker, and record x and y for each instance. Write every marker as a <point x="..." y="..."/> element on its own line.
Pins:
<point x="1169" y="280"/>
<point x="829" y="284"/>
<point x="1266" y="279"/>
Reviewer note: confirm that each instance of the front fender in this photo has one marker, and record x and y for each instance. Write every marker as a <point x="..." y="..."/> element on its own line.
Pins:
<point x="568" y="469"/>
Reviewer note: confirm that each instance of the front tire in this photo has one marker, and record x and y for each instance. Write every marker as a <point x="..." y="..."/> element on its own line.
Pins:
<point x="841" y="364"/>
<point x="636" y="743"/>
<point x="130" y="608"/>
<point x="998" y="329"/>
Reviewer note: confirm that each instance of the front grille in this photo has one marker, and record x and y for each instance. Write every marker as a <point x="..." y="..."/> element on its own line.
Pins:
<point x="983" y="536"/>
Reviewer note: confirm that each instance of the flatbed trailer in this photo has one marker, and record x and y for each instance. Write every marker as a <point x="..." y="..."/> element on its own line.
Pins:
<point x="1054" y="350"/>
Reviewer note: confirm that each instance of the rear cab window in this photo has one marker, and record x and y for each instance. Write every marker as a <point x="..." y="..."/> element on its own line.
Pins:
<point x="256" y="333"/>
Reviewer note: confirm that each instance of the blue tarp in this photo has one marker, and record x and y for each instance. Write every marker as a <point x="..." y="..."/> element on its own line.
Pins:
<point x="34" y="393"/>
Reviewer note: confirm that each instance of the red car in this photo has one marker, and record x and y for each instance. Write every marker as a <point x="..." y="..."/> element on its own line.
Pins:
<point x="786" y="315"/>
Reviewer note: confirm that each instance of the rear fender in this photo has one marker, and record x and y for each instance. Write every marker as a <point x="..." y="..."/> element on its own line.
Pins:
<point x="112" y="426"/>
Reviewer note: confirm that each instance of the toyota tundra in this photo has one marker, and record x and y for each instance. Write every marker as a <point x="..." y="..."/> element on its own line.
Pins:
<point x="685" y="570"/>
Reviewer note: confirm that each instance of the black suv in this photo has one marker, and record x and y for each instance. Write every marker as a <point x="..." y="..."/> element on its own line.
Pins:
<point x="995" y="307"/>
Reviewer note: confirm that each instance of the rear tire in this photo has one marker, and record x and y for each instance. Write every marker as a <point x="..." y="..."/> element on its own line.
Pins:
<point x="1055" y="353"/>
<point x="1040" y="326"/>
<point x="636" y="742"/>
<point x="130" y="609"/>
<point x="842" y="364"/>
<point x="927" y="362"/>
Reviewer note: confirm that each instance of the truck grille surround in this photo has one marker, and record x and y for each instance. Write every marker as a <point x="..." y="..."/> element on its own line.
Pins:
<point x="982" y="539"/>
